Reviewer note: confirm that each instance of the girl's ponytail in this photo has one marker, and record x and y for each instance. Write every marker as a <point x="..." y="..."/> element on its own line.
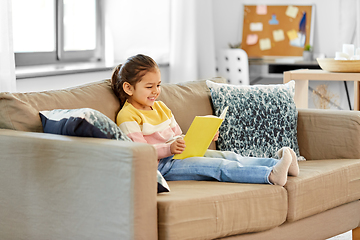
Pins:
<point x="116" y="85"/>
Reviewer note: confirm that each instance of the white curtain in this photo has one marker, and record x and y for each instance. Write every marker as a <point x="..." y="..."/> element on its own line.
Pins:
<point x="7" y="59"/>
<point x="347" y="23"/>
<point x="192" y="47"/>
<point x="357" y="23"/>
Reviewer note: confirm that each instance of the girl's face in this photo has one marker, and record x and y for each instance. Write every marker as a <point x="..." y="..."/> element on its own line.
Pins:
<point x="146" y="91"/>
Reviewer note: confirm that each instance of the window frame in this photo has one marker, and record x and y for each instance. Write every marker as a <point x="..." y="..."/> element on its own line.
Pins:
<point x="59" y="55"/>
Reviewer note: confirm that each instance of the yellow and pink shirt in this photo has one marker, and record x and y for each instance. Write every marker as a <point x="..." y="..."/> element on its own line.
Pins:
<point x="157" y="126"/>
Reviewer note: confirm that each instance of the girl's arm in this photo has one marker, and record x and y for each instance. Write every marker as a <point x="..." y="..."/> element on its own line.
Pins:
<point x="173" y="146"/>
<point x="216" y="137"/>
<point x="133" y="131"/>
<point x="178" y="146"/>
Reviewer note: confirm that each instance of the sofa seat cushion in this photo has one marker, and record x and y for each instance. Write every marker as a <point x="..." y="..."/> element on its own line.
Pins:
<point x="208" y="210"/>
<point x="322" y="185"/>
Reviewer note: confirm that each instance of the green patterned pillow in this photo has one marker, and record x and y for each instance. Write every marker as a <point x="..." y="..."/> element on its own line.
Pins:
<point x="260" y="120"/>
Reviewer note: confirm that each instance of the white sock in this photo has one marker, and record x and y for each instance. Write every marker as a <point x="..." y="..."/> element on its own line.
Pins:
<point x="278" y="175"/>
<point x="294" y="166"/>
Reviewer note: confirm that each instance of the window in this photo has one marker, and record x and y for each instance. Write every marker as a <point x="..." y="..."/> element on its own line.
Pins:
<point x="56" y="31"/>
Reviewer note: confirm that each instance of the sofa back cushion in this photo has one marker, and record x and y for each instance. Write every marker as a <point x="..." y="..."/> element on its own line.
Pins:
<point x="187" y="100"/>
<point x="20" y="111"/>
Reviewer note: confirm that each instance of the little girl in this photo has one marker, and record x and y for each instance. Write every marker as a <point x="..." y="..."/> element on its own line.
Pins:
<point x="137" y="85"/>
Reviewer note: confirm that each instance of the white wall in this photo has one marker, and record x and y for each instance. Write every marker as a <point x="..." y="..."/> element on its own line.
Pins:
<point x="139" y="26"/>
<point x="143" y="26"/>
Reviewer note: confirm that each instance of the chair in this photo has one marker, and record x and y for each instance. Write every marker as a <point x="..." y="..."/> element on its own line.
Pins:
<point x="233" y="65"/>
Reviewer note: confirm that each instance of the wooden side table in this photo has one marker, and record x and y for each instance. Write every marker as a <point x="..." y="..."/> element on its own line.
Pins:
<point x="303" y="76"/>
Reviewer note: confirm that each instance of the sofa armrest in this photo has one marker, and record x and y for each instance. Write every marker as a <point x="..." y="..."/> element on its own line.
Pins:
<point x="329" y="134"/>
<point x="60" y="187"/>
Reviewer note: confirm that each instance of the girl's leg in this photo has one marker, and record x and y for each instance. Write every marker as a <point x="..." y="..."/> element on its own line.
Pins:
<point x="249" y="161"/>
<point x="212" y="168"/>
<point x="245" y="161"/>
<point x="280" y="168"/>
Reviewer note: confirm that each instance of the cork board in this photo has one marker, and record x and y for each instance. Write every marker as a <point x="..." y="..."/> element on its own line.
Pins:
<point x="277" y="30"/>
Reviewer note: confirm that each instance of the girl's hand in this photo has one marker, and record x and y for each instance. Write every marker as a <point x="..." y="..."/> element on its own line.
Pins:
<point x="178" y="146"/>
<point x="216" y="137"/>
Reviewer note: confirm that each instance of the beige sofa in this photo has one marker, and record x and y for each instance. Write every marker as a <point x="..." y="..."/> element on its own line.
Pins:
<point x="62" y="187"/>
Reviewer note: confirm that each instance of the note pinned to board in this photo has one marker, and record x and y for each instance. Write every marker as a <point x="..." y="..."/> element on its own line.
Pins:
<point x="252" y="39"/>
<point x="291" y="11"/>
<point x="292" y="34"/>
<point x="273" y="20"/>
<point x="278" y="35"/>
<point x="256" y="26"/>
<point x="261" y="9"/>
<point x="265" y="44"/>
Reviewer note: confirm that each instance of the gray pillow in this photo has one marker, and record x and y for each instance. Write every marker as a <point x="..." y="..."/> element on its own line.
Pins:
<point x="162" y="184"/>
<point x="82" y="122"/>
<point x="260" y="120"/>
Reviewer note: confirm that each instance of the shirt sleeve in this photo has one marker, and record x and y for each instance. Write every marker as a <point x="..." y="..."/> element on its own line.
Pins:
<point x="133" y="131"/>
<point x="175" y="127"/>
<point x="164" y="149"/>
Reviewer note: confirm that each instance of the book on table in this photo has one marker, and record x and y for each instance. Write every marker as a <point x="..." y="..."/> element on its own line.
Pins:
<point x="200" y="134"/>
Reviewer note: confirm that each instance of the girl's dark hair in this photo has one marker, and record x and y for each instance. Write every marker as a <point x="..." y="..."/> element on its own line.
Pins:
<point x="131" y="71"/>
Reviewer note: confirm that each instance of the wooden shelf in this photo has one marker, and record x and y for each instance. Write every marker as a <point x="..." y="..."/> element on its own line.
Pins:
<point x="303" y="76"/>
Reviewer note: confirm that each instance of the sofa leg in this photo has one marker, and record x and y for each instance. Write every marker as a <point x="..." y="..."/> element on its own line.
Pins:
<point x="356" y="233"/>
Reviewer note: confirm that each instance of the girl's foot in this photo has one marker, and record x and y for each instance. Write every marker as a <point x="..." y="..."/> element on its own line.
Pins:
<point x="294" y="166"/>
<point x="278" y="175"/>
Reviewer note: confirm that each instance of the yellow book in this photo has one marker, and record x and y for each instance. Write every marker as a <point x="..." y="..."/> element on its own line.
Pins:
<point x="200" y="134"/>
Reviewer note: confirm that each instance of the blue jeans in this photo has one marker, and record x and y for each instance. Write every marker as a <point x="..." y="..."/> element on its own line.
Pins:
<point x="222" y="166"/>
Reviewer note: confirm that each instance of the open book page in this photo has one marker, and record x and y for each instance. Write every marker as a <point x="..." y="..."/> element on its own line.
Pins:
<point x="200" y="134"/>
